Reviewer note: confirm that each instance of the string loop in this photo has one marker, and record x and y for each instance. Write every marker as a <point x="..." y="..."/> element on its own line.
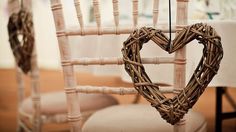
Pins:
<point x="168" y="48"/>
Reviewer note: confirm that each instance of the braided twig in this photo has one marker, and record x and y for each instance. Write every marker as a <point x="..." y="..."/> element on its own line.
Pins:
<point x="21" y="24"/>
<point x="173" y="109"/>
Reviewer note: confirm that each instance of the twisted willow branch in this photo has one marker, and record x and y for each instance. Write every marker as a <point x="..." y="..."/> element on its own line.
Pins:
<point x="21" y="24"/>
<point x="173" y="109"/>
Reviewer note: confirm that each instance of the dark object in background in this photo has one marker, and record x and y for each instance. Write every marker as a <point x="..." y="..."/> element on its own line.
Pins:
<point x="21" y="25"/>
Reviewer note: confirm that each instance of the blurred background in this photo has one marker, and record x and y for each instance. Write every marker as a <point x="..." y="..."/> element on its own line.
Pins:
<point x="221" y="14"/>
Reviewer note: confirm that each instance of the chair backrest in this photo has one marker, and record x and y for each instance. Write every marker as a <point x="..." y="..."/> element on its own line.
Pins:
<point x="63" y="32"/>
<point x="13" y="7"/>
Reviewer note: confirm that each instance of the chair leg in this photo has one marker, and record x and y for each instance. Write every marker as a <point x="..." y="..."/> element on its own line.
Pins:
<point x="218" y="121"/>
<point x="19" y="128"/>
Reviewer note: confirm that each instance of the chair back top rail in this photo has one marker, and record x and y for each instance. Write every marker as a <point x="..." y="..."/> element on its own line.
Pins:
<point x="73" y="30"/>
<point x="99" y="29"/>
<point x="118" y="61"/>
<point x="114" y="90"/>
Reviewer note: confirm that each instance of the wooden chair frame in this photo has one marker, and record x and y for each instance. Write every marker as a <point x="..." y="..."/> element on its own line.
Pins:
<point x="13" y="7"/>
<point x="35" y="120"/>
<point x="71" y="88"/>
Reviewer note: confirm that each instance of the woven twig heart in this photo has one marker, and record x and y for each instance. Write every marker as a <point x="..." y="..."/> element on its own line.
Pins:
<point x="173" y="109"/>
<point x="21" y="24"/>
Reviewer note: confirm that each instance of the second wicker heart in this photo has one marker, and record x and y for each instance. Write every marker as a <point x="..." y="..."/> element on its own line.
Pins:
<point x="21" y="24"/>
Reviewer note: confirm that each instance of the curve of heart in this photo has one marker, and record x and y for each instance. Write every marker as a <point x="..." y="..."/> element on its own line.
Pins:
<point x="21" y="24"/>
<point x="173" y="109"/>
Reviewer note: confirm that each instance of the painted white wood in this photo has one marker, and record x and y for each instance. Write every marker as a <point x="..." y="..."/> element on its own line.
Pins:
<point x="117" y="61"/>
<point x="116" y="90"/>
<point x="135" y="13"/>
<point x="72" y="89"/>
<point x="13" y="7"/>
<point x="155" y="12"/>
<point x="79" y="13"/>
<point x="116" y="12"/>
<point x="74" y="30"/>
<point x="180" y="69"/>
<point x="74" y="114"/>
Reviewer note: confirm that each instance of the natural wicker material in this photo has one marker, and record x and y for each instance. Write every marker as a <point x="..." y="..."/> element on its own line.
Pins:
<point x="21" y="24"/>
<point x="173" y="109"/>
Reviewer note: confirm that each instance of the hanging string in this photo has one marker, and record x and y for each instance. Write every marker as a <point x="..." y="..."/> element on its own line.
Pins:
<point x="169" y="43"/>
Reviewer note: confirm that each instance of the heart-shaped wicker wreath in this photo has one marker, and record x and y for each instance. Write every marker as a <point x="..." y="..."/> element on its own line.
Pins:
<point x="173" y="109"/>
<point x="21" y="24"/>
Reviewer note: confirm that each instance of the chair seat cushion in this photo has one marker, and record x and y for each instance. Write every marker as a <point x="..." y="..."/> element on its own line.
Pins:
<point x="138" y="118"/>
<point x="55" y="103"/>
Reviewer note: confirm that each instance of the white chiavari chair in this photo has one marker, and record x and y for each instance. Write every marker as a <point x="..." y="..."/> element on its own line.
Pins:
<point x="51" y="107"/>
<point x="128" y="118"/>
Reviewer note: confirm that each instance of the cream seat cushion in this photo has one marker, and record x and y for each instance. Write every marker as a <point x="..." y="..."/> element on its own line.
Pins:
<point x="55" y="102"/>
<point x="138" y="118"/>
